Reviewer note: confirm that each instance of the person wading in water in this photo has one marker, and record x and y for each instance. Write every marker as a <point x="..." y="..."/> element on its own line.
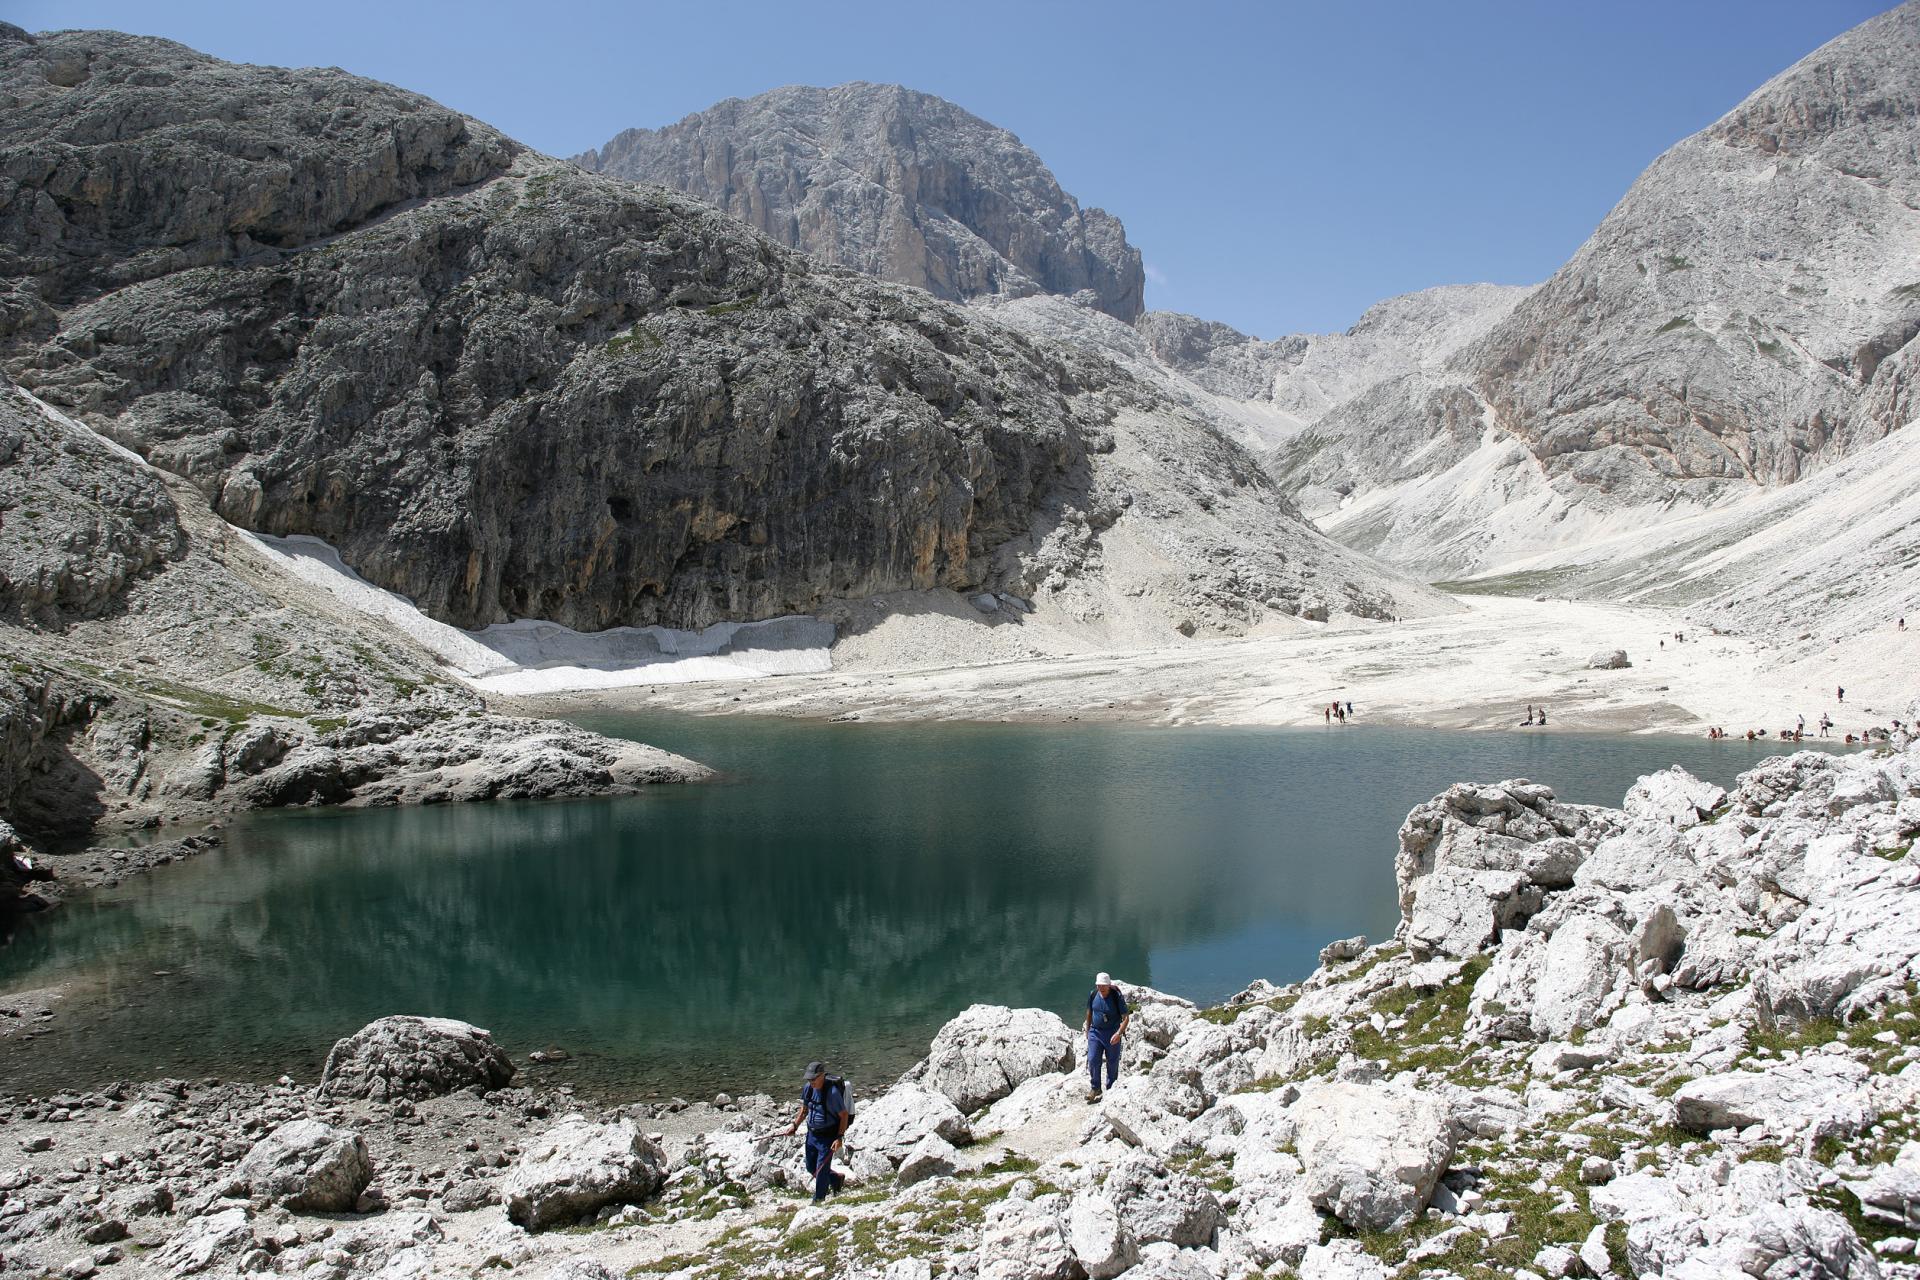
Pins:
<point x="823" y="1105"/>
<point x="1107" y="1019"/>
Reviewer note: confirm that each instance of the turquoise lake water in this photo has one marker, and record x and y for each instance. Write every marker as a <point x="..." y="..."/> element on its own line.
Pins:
<point x="846" y="890"/>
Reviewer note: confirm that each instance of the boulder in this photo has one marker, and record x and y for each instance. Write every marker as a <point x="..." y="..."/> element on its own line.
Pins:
<point x="1819" y="1095"/>
<point x="204" y="1241"/>
<point x="1890" y="1196"/>
<point x="931" y="1157"/>
<point x="1609" y="660"/>
<point x="577" y="1168"/>
<point x="1674" y="797"/>
<point x="1037" y="1099"/>
<point x="1155" y="1203"/>
<point x="1340" y="1260"/>
<point x="1372" y="1153"/>
<point x="989" y="1050"/>
<point x="412" y="1057"/>
<point x="307" y="1166"/>
<point x="894" y="1122"/>
<point x="1475" y="860"/>
<point x="1096" y="1236"/>
<point x="1583" y="975"/>
<point x="1023" y="1240"/>
<point x="1344" y="949"/>
<point x="579" y="1269"/>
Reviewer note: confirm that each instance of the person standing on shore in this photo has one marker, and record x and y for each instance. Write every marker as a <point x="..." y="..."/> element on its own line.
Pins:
<point x="1107" y="1019"/>
<point x="823" y="1105"/>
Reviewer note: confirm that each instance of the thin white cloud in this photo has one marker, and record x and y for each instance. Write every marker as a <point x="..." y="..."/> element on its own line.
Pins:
<point x="1154" y="274"/>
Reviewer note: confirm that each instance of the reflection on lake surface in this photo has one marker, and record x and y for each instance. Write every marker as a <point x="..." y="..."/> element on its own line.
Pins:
<point x="848" y="889"/>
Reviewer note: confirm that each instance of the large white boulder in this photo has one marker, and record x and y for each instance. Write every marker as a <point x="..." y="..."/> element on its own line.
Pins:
<point x="1823" y="1094"/>
<point x="577" y="1168"/>
<point x="411" y="1057"/>
<point x="305" y="1165"/>
<point x="1675" y="797"/>
<point x="1372" y="1153"/>
<point x="1475" y="860"/>
<point x="990" y="1050"/>
<point x="1024" y="1240"/>
<point x="1039" y="1099"/>
<point x="890" y="1125"/>
<point x="1584" y="975"/>
<point x="931" y="1157"/>
<point x="1155" y="1203"/>
<point x="1094" y="1232"/>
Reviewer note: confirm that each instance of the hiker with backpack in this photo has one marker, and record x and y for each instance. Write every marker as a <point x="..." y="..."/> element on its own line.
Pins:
<point x="825" y="1108"/>
<point x="1107" y="1018"/>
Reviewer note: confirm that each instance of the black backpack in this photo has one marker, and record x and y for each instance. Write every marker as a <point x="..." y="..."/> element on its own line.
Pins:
<point x="846" y="1095"/>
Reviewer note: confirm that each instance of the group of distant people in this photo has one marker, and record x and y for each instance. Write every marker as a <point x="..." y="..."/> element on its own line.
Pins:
<point x="1825" y="725"/>
<point x="1535" y="716"/>
<point x="1337" y="710"/>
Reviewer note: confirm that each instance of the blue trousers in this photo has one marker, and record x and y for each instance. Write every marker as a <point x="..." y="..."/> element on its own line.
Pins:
<point x="820" y="1164"/>
<point x="1100" y="1048"/>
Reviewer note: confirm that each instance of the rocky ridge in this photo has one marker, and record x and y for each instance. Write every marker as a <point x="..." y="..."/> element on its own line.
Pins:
<point x="893" y="183"/>
<point x="1675" y="1038"/>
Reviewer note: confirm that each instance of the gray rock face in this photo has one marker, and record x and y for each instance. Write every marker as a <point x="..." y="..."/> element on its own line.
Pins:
<point x="409" y="1057"/>
<point x="505" y="387"/>
<point x="897" y="184"/>
<point x="576" y="1168"/>
<point x="307" y="1166"/>
<point x="79" y="521"/>
<point x="1744" y="316"/>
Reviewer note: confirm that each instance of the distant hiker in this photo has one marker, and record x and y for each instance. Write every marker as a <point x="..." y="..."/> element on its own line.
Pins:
<point x="1801" y="727"/>
<point x="1327" y="711"/>
<point x="1840" y="695"/>
<point x="823" y="1105"/>
<point x="1349" y="708"/>
<point x="1529" y="719"/>
<point x="1107" y="1019"/>
<point x="1543" y="715"/>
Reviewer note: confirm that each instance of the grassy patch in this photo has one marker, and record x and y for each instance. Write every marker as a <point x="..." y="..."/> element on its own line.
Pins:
<point x="1433" y="1034"/>
<point x="1677" y="323"/>
<point x="634" y="341"/>
<point x="1227" y="1014"/>
<point x="728" y="308"/>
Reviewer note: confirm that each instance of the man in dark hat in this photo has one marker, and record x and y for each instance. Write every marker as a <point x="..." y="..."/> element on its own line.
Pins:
<point x="823" y="1105"/>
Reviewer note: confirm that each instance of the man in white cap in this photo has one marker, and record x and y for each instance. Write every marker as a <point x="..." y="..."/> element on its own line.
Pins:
<point x="1107" y="1018"/>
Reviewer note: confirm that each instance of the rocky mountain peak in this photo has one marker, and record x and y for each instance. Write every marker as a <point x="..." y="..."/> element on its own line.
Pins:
<point x="894" y="183"/>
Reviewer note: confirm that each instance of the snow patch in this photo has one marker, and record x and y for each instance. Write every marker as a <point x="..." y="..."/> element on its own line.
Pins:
<point x="529" y="656"/>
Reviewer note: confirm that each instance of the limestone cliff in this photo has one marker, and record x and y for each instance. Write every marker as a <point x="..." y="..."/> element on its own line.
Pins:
<point x="505" y="387"/>
<point x="894" y="183"/>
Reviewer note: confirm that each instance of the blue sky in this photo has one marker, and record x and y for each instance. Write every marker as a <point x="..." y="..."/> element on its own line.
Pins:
<point x="1281" y="164"/>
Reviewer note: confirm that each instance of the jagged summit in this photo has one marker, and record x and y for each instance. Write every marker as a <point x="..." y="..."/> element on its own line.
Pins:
<point x="895" y="183"/>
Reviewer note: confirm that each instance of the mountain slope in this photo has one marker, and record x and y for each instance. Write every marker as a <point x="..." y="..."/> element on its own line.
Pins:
<point x="551" y="394"/>
<point x="897" y="184"/>
<point x="1305" y="376"/>
<point x="1744" y="316"/>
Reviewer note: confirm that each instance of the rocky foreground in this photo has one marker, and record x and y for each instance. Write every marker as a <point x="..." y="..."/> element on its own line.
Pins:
<point x="1675" y="1038"/>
